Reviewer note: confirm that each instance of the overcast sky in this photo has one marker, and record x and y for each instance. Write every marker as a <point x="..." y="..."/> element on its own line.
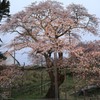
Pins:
<point x="93" y="6"/>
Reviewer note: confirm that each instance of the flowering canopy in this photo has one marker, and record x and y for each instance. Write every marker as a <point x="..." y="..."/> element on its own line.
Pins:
<point x="85" y="60"/>
<point x="48" y="26"/>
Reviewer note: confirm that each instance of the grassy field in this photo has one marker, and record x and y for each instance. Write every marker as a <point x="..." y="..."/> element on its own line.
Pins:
<point x="35" y="83"/>
<point x="30" y="85"/>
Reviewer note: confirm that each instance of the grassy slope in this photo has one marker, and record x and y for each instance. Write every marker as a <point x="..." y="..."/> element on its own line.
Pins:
<point x="30" y="86"/>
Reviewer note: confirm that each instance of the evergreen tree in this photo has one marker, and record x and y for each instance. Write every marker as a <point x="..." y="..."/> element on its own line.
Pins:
<point x="4" y="8"/>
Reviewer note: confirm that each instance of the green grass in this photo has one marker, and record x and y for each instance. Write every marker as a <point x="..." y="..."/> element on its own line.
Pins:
<point x="29" y="86"/>
<point x="32" y="90"/>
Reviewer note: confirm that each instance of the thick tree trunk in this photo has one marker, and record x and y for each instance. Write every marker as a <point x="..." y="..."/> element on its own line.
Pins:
<point x="60" y="77"/>
<point x="51" y="90"/>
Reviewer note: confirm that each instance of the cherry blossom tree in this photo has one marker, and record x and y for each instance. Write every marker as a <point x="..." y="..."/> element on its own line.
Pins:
<point x="85" y="61"/>
<point x="8" y="76"/>
<point x="47" y="27"/>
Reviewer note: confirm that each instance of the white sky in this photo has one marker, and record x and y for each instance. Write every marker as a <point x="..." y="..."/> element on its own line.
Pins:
<point x="93" y="6"/>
